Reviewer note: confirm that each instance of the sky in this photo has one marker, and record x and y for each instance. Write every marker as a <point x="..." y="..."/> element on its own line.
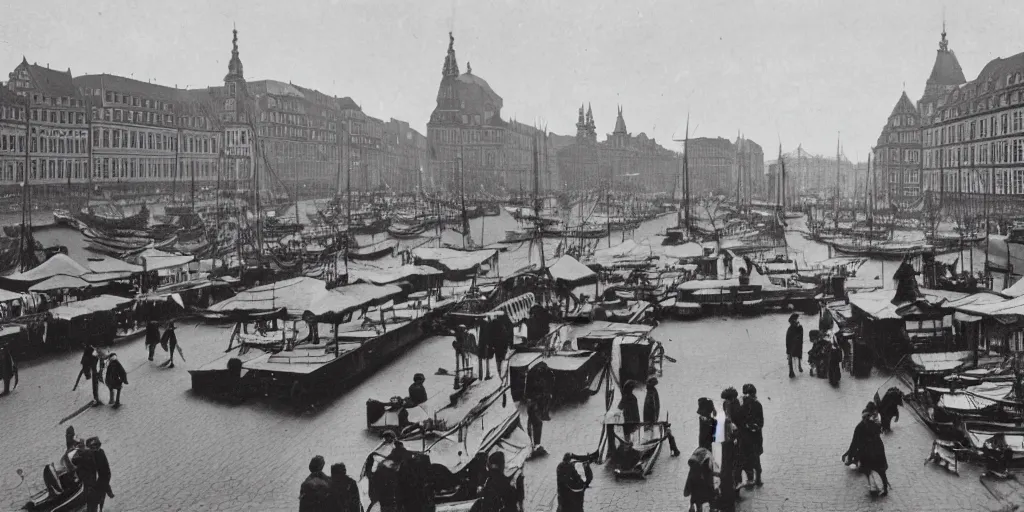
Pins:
<point x="777" y="71"/>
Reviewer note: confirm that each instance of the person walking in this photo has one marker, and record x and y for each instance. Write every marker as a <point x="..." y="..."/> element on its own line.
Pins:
<point x="484" y="351"/>
<point x="463" y="344"/>
<point x="571" y="488"/>
<point x="169" y="341"/>
<point x="103" y="489"/>
<point x="835" y="363"/>
<point x="795" y="344"/>
<point x="314" y="493"/>
<point x="871" y="454"/>
<point x="752" y="435"/>
<point x="700" y="481"/>
<point x="344" y="492"/>
<point x="652" y="412"/>
<point x="539" y="383"/>
<point x="152" y="337"/>
<point x="8" y="369"/>
<point x="90" y="362"/>
<point x="115" y="379"/>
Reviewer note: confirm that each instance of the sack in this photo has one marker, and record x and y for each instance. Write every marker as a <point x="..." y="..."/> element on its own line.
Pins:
<point x="875" y="484"/>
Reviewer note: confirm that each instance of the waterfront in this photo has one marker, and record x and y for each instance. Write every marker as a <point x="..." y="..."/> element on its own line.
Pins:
<point x="171" y="450"/>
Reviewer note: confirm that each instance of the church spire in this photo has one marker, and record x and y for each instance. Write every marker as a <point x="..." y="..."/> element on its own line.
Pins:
<point x="451" y="66"/>
<point x="235" y="71"/>
<point x="620" y="123"/>
<point x="943" y="43"/>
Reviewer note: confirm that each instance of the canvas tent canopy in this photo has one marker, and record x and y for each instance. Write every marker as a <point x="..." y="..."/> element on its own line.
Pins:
<point x="570" y="271"/>
<point x="60" y="282"/>
<point x="453" y="261"/>
<point x="109" y="269"/>
<point x="338" y="303"/>
<point x="89" y="306"/>
<point x="391" y="275"/>
<point x="295" y="296"/>
<point x="157" y="260"/>
<point x="59" y="264"/>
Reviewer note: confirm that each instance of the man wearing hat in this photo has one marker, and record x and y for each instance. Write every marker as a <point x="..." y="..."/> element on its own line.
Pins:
<point x="116" y="377"/>
<point x="795" y="344"/>
<point x="417" y="393"/>
<point x="751" y="436"/>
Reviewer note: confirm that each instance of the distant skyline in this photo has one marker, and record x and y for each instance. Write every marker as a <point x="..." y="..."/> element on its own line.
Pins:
<point x="794" y="71"/>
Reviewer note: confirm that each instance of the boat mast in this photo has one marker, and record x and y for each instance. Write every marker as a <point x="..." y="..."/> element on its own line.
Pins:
<point x="536" y="202"/>
<point x="462" y="195"/>
<point x="686" y="175"/>
<point x="836" y="219"/>
<point x="25" y="244"/>
<point x="348" y="214"/>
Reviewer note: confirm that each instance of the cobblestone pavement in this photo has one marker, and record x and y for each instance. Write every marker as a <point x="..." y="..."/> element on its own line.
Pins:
<point x="170" y="450"/>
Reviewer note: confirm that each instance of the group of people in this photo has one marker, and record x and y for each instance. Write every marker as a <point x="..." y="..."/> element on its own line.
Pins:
<point x="89" y="463"/>
<point x="497" y="335"/>
<point x="826" y="355"/>
<point x="742" y="443"/>
<point x="168" y="341"/>
<point x="322" y="493"/>
<point x="97" y="366"/>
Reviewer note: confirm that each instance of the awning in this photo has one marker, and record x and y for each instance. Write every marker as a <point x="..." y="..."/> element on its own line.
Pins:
<point x="60" y="283"/>
<point x="451" y="260"/>
<point x="85" y="307"/>
<point x="59" y="264"/>
<point x="390" y="275"/>
<point x="341" y="301"/>
<point x="296" y="295"/>
<point x="155" y="259"/>
<point x="571" y="271"/>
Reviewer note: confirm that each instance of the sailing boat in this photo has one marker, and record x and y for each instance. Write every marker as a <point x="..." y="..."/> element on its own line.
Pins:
<point x="682" y="233"/>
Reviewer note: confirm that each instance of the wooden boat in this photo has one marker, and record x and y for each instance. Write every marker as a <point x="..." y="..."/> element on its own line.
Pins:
<point x="369" y="226"/>
<point x="456" y="462"/>
<point x="403" y="231"/>
<point x="948" y="242"/>
<point x="64" y="218"/>
<point x="884" y="250"/>
<point x="138" y="221"/>
<point x="62" y="490"/>
<point x="373" y="251"/>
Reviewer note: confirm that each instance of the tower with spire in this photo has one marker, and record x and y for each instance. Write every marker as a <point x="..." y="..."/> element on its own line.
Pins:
<point x="946" y="75"/>
<point x="451" y="66"/>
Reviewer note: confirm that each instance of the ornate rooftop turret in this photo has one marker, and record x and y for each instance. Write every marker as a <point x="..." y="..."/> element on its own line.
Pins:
<point x="451" y="66"/>
<point x="620" y="124"/>
<point x="235" y="72"/>
<point x="581" y="123"/>
<point x="946" y="72"/>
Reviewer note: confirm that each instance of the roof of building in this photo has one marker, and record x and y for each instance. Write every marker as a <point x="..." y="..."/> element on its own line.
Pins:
<point x="128" y="85"/>
<point x="999" y="68"/>
<point x="470" y="79"/>
<point x="946" y="70"/>
<point x="620" y="123"/>
<point x="51" y="82"/>
<point x="904" y="106"/>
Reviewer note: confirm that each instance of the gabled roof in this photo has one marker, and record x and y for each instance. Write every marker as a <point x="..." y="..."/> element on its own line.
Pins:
<point x="51" y="82"/>
<point x="999" y="68"/>
<point x="128" y="85"/>
<point x="8" y="97"/>
<point x="904" y="106"/>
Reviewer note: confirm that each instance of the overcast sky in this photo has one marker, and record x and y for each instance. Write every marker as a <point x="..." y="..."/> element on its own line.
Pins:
<point x="799" y="71"/>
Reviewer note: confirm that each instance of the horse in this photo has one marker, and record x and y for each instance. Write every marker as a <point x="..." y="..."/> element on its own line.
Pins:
<point x="888" y="407"/>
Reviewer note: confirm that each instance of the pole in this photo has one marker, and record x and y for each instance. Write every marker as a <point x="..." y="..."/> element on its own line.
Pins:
<point x="23" y="249"/>
<point x="348" y="214"/>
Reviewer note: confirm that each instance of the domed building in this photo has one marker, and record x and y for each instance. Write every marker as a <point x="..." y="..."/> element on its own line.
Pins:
<point x="466" y="128"/>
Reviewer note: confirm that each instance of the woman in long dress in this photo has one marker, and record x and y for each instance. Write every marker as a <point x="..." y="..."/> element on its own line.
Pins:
<point x="868" y="451"/>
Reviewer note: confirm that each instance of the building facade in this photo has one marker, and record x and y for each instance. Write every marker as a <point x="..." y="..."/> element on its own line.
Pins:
<point x="897" y="154"/>
<point x="471" y="147"/>
<point x="115" y="133"/>
<point x="13" y="129"/>
<point x="57" y="124"/>
<point x="711" y="165"/>
<point x="973" y="136"/>
<point x="622" y="162"/>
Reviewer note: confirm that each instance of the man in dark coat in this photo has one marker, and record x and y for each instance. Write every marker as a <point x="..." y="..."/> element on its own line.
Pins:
<point x="417" y="392"/>
<point x="90" y="370"/>
<point x="315" y="491"/>
<point x="498" y="493"/>
<point x="484" y="352"/>
<point x="571" y="488"/>
<point x="170" y="342"/>
<point x="751" y="435"/>
<point x="103" y="489"/>
<point x="504" y="334"/>
<point x="8" y="369"/>
<point x="463" y="344"/>
<point x="795" y="344"/>
<point x="538" y="325"/>
<point x="152" y="338"/>
<point x="540" y="381"/>
<point x="116" y="378"/>
<point x="344" y="491"/>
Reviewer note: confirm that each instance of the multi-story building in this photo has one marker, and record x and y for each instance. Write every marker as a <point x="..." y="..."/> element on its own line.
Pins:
<point x="621" y="162"/>
<point x="712" y="166"/>
<point x="898" y="155"/>
<point x="973" y="135"/>
<point x="471" y="147"/>
<point x="13" y="126"/>
<point x="406" y="151"/>
<point x="151" y="137"/>
<point x="750" y="168"/>
<point x="810" y="175"/>
<point x="58" y="130"/>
